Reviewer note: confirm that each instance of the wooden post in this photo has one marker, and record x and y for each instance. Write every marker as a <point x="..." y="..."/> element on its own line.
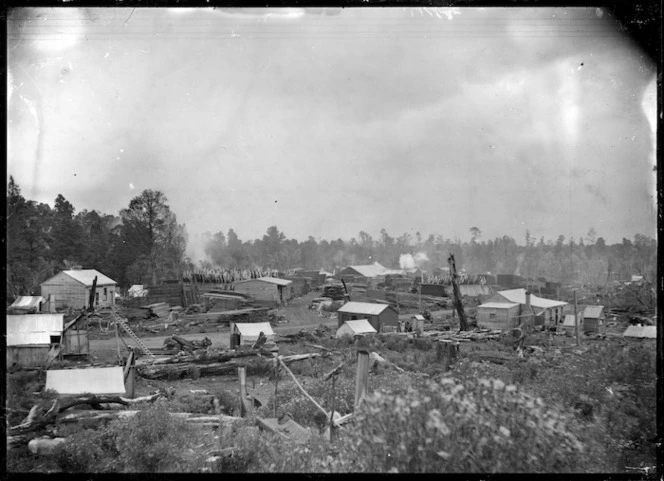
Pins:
<point x="245" y="409"/>
<point x="463" y="325"/>
<point x="276" y="383"/>
<point x="576" y="321"/>
<point x="117" y="341"/>
<point x="447" y="352"/>
<point x="334" y="378"/>
<point x="396" y="297"/>
<point x="362" y="379"/>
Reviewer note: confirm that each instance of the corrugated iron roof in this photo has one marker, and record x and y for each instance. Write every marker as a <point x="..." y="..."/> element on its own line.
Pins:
<point x="593" y="312"/>
<point x="86" y="276"/>
<point x="28" y="338"/>
<point x="101" y="380"/>
<point x="272" y="280"/>
<point x="28" y="302"/>
<point x="499" y="305"/>
<point x="360" y="326"/>
<point x="50" y="323"/>
<point x="371" y="270"/>
<point x="363" y="308"/>
<point x="648" y="332"/>
<point x="251" y="329"/>
<point x="519" y="296"/>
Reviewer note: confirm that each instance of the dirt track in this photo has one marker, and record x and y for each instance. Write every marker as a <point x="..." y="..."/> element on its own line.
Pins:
<point x="218" y="338"/>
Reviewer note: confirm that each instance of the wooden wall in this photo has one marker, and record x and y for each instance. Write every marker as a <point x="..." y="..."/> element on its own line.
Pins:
<point x="505" y="318"/>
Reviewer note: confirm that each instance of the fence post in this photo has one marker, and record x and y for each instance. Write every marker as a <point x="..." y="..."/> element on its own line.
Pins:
<point x="362" y="379"/>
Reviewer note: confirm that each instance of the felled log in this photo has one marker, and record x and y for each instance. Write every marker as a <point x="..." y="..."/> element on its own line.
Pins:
<point x="34" y="421"/>
<point x="224" y="356"/>
<point x="193" y="418"/>
<point x="376" y="358"/>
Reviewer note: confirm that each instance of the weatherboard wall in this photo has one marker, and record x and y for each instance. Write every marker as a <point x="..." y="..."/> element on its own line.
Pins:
<point x="70" y="293"/>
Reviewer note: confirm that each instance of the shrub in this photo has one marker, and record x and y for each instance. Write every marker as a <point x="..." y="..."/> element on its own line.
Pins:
<point x="397" y="343"/>
<point x="482" y="426"/>
<point x="154" y="441"/>
<point x="423" y="343"/>
<point x="151" y="441"/>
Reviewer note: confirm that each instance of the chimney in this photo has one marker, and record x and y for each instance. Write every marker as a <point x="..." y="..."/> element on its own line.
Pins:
<point x="529" y="310"/>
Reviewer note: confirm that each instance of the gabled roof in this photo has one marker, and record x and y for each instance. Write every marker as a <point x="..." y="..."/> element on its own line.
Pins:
<point x="271" y="280"/>
<point x="100" y="380"/>
<point x="28" y="302"/>
<point x="360" y="326"/>
<point x="28" y="338"/>
<point x="519" y="296"/>
<point x="419" y="317"/>
<point x="499" y="305"/>
<point x="363" y="308"/>
<point x="86" y="276"/>
<point x="371" y="270"/>
<point x="593" y="312"/>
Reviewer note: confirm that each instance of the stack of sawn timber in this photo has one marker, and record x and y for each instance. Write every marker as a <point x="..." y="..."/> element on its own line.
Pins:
<point x="465" y="336"/>
<point x="160" y="309"/>
<point x="334" y="291"/>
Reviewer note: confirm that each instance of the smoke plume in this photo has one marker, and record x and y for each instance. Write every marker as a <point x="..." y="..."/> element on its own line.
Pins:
<point x="408" y="261"/>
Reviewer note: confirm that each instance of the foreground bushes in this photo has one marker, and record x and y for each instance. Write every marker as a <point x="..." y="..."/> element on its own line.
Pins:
<point x="152" y="441"/>
<point x="483" y="426"/>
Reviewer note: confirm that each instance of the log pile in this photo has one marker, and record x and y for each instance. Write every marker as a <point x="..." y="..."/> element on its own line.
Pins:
<point x="213" y="364"/>
<point x="335" y="292"/>
<point x="160" y="309"/>
<point x="465" y="336"/>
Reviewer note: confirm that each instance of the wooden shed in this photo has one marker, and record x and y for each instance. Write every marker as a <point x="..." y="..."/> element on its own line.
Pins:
<point x="593" y="318"/>
<point x="71" y="288"/>
<point x="30" y="337"/>
<point x="271" y="290"/>
<point x="547" y="312"/>
<point x="498" y="315"/>
<point x="380" y="316"/>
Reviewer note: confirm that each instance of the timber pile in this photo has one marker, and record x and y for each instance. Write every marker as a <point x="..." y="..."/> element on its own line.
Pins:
<point x="465" y="336"/>
<point x="160" y="309"/>
<point x="335" y="292"/>
<point x="255" y="314"/>
<point x="213" y="364"/>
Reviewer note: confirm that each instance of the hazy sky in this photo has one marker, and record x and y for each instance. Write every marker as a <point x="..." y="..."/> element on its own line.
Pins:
<point x="326" y="122"/>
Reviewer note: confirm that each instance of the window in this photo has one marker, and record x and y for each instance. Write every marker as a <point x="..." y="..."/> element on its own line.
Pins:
<point x="97" y="297"/>
<point x="105" y="293"/>
<point x="492" y="316"/>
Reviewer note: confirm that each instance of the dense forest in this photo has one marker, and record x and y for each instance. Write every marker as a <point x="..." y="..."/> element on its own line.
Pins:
<point x="145" y="244"/>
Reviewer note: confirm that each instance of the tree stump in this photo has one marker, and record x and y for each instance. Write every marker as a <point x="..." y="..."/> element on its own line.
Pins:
<point x="447" y="353"/>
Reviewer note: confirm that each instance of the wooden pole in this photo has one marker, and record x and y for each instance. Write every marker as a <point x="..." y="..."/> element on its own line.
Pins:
<point x="276" y="383"/>
<point x="306" y="394"/>
<point x="334" y="378"/>
<point x="117" y="341"/>
<point x="576" y="321"/>
<point x="245" y="409"/>
<point x="362" y="379"/>
<point x="463" y="325"/>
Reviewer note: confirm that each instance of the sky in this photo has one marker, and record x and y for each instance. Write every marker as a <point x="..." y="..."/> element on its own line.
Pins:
<point x="328" y="122"/>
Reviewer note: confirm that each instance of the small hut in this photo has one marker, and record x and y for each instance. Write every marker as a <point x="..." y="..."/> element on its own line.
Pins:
<point x="359" y="327"/>
<point x="250" y="331"/>
<point x="593" y="318"/>
<point x="30" y="337"/>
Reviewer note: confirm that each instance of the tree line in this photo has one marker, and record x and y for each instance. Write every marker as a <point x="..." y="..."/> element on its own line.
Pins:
<point x="145" y="244"/>
<point x="586" y="260"/>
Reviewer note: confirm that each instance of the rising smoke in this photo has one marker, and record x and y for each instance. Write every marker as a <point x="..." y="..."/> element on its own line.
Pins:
<point x="408" y="261"/>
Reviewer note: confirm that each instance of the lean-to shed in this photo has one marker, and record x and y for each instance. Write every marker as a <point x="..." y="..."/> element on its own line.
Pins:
<point x="379" y="316"/>
<point x="266" y="290"/>
<point x="71" y="288"/>
<point x="98" y="380"/>
<point x="30" y="337"/>
<point x="355" y="328"/>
